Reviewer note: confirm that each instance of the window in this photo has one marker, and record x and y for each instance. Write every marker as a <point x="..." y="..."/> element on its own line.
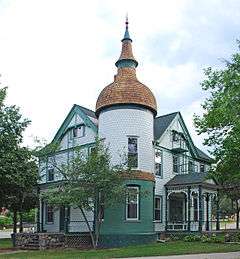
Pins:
<point x="158" y="162"/>
<point x="195" y="209"/>
<point x="190" y="166"/>
<point x="50" y="175"/>
<point x="92" y="150"/>
<point x="158" y="208"/>
<point x="175" y="164"/>
<point x="202" y="168"/>
<point x="49" y="214"/>
<point x="132" y="203"/>
<point x="175" y="136"/>
<point x="77" y="132"/>
<point x="132" y="152"/>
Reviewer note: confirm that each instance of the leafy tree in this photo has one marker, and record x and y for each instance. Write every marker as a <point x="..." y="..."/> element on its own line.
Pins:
<point x="221" y="122"/>
<point x="90" y="183"/>
<point x="18" y="170"/>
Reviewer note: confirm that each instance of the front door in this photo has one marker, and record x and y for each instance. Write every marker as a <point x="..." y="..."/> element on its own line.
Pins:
<point x="62" y="219"/>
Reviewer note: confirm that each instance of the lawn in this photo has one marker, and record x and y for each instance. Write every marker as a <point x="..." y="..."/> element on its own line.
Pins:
<point x="5" y="243"/>
<point x="170" y="248"/>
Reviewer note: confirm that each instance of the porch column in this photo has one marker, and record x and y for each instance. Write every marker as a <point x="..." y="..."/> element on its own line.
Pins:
<point x="200" y="208"/>
<point x="66" y="219"/>
<point x="166" y="208"/>
<point x="42" y="216"/>
<point x="207" y="211"/>
<point x="189" y="209"/>
<point x="38" y="216"/>
<point x="218" y="212"/>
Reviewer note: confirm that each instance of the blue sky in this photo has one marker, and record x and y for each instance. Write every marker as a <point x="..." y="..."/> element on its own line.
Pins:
<point x="60" y="52"/>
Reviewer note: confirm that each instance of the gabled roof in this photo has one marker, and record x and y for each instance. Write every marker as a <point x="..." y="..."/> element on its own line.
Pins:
<point x="84" y="113"/>
<point x="203" y="155"/>
<point x="185" y="179"/>
<point x="161" y="123"/>
<point x="87" y="111"/>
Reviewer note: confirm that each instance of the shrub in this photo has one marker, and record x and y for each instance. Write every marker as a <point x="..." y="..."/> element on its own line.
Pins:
<point x="192" y="238"/>
<point x="5" y="221"/>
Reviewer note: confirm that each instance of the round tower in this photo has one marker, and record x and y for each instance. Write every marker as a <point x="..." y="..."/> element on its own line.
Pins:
<point x="126" y="109"/>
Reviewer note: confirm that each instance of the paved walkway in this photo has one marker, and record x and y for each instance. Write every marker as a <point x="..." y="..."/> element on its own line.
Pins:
<point x="232" y="255"/>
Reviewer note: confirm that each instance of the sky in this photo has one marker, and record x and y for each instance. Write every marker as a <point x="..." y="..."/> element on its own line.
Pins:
<point x="55" y="53"/>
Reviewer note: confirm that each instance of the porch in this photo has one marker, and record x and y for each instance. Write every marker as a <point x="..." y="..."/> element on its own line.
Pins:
<point x="189" y="204"/>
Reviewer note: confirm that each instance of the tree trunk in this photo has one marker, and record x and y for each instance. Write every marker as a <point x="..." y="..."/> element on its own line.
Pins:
<point x="14" y="221"/>
<point x="89" y="228"/>
<point x="20" y="222"/>
<point x="98" y="225"/>
<point x="237" y="221"/>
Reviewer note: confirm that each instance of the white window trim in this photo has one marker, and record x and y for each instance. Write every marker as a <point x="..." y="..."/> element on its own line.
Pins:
<point x="137" y="218"/>
<point x="137" y="137"/>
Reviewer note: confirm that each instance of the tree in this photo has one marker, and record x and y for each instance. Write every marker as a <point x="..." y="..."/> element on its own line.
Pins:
<point x="18" y="170"/>
<point x="90" y="183"/>
<point x="221" y="122"/>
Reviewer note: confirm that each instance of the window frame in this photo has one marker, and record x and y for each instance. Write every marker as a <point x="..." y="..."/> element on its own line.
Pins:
<point x="137" y="207"/>
<point x="177" y="164"/>
<point x="133" y="153"/>
<point x="52" y="174"/>
<point x="204" y="168"/>
<point x="47" y="207"/>
<point x="160" y="172"/>
<point x="159" y="209"/>
<point x="74" y="131"/>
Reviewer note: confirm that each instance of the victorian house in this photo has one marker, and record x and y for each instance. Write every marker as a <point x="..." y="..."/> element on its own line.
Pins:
<point x="166" y="163"/>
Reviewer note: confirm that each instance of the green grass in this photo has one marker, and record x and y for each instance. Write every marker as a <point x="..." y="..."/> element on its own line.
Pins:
<point x="5" y="243"/>
<point x="170" y="248"/>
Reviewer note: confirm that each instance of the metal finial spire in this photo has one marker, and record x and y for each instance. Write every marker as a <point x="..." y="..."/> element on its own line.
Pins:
<point x="126" y="34"/>
<point x="126" y="22"/>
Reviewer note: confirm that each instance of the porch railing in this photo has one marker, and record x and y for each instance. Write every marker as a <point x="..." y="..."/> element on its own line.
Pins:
<point x="210" y="225"/>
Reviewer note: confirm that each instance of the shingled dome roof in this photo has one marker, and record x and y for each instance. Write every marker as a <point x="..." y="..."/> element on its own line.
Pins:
<point x="126" y="89"/>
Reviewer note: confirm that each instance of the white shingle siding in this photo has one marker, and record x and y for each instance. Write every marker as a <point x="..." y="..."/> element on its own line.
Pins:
<point x="115" y="126"/>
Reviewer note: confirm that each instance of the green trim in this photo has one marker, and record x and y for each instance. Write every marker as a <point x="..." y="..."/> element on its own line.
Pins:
<point x="64" y="127"/>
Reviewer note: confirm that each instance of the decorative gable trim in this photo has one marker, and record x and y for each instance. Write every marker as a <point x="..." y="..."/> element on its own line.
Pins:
<point x="192" y="147"/>
<point x="64" y="127"/>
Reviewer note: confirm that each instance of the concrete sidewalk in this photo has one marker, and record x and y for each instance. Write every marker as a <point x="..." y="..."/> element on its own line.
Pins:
<point x="232" y="255"/>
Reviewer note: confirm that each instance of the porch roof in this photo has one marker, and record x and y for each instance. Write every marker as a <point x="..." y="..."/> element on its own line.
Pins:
<point x="189" y="179"/>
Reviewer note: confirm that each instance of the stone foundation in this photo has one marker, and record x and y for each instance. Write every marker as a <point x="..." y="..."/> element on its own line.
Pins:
<point x="41" y="241"/>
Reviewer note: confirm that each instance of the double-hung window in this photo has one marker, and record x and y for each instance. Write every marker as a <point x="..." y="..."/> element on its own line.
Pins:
<point x="202" y="168"/>
<point x="50" y="174"/>
<point x="158" y="208"/>
<point x="158" y="163"/>
<point x="175" y="164"/>
<point x="132" y="203"/>
<point x="49" y="214"/>
<point x="133" y="152"/>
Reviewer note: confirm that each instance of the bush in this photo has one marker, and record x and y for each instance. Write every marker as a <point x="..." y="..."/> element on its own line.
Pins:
<point x="204" y="238"/>
<point x="5" y="221"/>
<point x="191" y="238"/>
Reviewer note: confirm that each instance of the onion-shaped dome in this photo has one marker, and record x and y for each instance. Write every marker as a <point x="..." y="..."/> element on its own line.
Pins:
<point x="126" y="89"/>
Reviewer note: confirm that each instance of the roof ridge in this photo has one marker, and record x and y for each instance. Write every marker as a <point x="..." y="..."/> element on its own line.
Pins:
<point x="84" y="107"/>
<point x="160" y="116"/>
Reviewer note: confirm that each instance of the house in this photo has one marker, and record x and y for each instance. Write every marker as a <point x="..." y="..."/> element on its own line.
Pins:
<point x="166" y="162"/>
